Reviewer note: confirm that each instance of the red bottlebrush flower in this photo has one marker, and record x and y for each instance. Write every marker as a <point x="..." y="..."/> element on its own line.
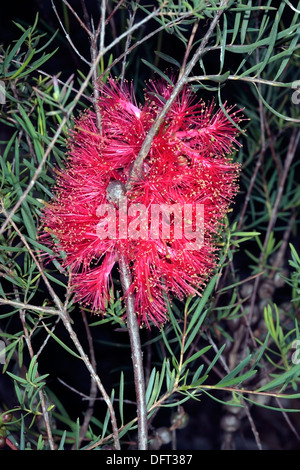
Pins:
<point x="166" y="224"/>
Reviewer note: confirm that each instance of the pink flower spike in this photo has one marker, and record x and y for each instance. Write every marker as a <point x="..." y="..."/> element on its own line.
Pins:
<point x="166" y="225"/>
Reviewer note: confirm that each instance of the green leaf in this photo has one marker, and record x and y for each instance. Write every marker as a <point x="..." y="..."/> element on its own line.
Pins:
<point x="107" y="416"/>
<point x="200" y="303"/>
<point x="158" y="71"/>
<point x="77" y="433"/>
<point x="168" y="58"/>
<point x="166" y="342"/>
<point x="223" y="42"/>
<point x="282" y="116"/>
<point x="17" y="378"/>
<point x="54" y="279"/>
<point x="26" y="123"/>
<point x="282" y="380"/>
<point x="18" y="72"/>
<point x="195" y="331"/>
<point x="245" y="22"/>
<point x="28" y="221"/>
<point x="196" y="355"/>
<point x="150" y="385"/>
<point x="62" y="441"/>
<point x="61" y="343"/>
<point x="170" y="377"/>
<point x="289" y="52"/>
<point x="215" y="359"/>
<point x="236" y="26"/>
<point x="16" y="47"/>
<point x="196" y="381"/>
<point x="226" y="382"/>
<point x="249" y="48"/>
<point x="32" y="369"/>
<point x="121" y="398"/>
<point x="233" y="377"/>
<point x="22" y="434"/>
<point x="272" y="38"/>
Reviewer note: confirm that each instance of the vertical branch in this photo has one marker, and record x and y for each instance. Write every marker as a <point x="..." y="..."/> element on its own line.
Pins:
<point x="93" y="387"/>
<point x="98" y="34"/>
<point x="101" y="27"/>
<point x="127" y="45"/>
<point x="95" y="84"/>
<point x="189" y="47"/>
<point x="136" y="353"/>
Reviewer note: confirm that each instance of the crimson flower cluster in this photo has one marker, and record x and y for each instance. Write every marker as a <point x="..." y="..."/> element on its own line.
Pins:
<point x="189" y="163"/>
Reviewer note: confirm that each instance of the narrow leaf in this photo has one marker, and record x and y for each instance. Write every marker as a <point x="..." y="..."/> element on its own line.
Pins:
<point x="60" y="342"/>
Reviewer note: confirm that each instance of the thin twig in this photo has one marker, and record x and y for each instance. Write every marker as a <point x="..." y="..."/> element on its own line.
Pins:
<point x="142" y="40"/>
<point x="68" y="37"/>
<point x="41" y="391"/>
<point x="85" y="27"/>
<point x="34" y="308"/>
<point x="252" y="425"/>
<point x="236" y="78"/>
<point x="88" y="397"/>
<point x="94" y="40"/>
<point x="188" y="48"/>
<point x="119" y="4"/>
<point x="100" y="32"/>
<point x="93" y="388"/>
<point x="289" y="422"/>
<point x="251" y="186"/>
<point x="101" y="27"/>
<point x="127" y="45"/>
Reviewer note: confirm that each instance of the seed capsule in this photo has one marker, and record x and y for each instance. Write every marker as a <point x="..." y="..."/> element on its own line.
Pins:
<point x="230" y="423"/>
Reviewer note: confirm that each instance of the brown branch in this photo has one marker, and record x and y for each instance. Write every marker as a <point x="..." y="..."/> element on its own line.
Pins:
<point x="189" y="47"/>
<point x="85" y="27"/>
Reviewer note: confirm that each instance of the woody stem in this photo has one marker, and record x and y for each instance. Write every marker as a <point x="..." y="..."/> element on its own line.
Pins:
<point x="136" y="354"/>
